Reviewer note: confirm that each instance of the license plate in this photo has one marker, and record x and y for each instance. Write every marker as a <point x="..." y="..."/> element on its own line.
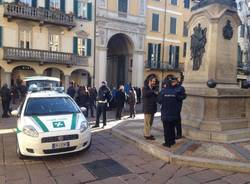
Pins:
<point x="60" y="145"/>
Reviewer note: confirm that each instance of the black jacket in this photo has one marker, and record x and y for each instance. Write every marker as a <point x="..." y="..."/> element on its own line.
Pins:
<point x="120" y="99"/>
<point x="171" y="99"/>
<point x="104" y="94"/>
<point x="5" y="94"/>
<point x="83" y="100"/>
<point x="149" y="100"/>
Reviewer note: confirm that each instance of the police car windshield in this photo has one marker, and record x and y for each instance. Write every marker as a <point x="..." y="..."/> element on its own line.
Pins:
<point x="50" y="106"/>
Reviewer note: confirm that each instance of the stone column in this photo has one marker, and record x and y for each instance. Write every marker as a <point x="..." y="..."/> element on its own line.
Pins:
<point x="138" y="69"/>
<point x="101" y="65"/>
<point x="66" y="81"/>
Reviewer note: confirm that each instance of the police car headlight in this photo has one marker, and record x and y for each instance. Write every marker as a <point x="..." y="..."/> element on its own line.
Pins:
<point x="84" y="126"/>
<point x="30" y="131"/>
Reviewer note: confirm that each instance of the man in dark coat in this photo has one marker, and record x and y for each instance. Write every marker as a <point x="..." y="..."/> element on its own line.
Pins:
<point x="71" y="90"/>
<point x="6" y="98"/>
<point x="181" y="92"/>
<point x="169" y="99"/>
<point x="103" y="98"/>
<point x="120" y="99"/>
<point x="150" y="93"/>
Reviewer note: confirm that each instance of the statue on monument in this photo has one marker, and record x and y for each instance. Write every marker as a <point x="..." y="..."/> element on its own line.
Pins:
<point x="228" y="31"/>
<point x="198" y="43"/>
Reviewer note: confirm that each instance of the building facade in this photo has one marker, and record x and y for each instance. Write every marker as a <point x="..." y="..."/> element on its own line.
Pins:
<point x="120" y="35"/>
<point x="243" y="36"/>
<point x="167" y="35"/>
<point x="47" y="37"/>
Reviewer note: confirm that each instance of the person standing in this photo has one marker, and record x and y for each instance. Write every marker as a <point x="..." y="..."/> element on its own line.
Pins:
<point x="92" y="98"/>
<point x="120" y="98"/>
<point x="83" y="99"/>
<point x="71" y="90"/>
<point x="132" y="99"/>
<point x="150" y="94"/>
<point x="182" y="94"/>
<point x="6" y="98"/>
<point x="103" y="98"/>
<point x="170" y="111"/>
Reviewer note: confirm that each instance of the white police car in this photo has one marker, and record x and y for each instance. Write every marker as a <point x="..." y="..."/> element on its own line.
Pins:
<point x="50" y="123"/>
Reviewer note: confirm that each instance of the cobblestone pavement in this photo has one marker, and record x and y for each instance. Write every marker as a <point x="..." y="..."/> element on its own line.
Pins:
<point x="108" y="161"/>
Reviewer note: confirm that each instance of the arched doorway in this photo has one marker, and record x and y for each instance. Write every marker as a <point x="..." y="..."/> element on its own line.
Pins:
<point x="55" y="72"/>
<point x="119" y="60"/>
<point x="81" y="77"/>
<point x="19" y="72"/>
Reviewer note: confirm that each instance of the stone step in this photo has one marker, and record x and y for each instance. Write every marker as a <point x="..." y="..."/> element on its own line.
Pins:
<point x="228" y="136"/>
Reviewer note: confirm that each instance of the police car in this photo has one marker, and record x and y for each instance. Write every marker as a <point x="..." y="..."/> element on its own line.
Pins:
<point x="50" y="123"/>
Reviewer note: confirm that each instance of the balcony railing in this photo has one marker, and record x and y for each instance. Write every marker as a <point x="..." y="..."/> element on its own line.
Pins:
<point x="42" y="56"/>
<point x="161" y="66"/>
<point x="13" y="10"/>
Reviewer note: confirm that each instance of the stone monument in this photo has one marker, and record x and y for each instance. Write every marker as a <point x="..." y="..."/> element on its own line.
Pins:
<point x="216" y="108"/>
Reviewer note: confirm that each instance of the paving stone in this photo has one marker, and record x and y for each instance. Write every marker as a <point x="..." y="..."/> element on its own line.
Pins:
<point x="183" y="172"/>
<point x="237" y="178"/>
<point x="16" y="172"/>
<point x="113" y="180"/>
<point x="205" y="176"/>
<point x="2" y="170"/>
<point x="44" y="180"/>
<point x="218" y="182"/>
<point x="2" y="179"/>
<point x="38" y="171"/>
<point x="182" y="180"/>
<point x="132" y="179"/>
<point x="19" y="181"/>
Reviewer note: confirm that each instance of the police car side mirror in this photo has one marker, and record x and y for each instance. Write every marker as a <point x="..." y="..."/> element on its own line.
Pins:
<point x="14" y="113"/>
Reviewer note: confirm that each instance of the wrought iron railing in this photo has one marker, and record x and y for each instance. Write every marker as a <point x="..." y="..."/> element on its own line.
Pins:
<point x="13" y="10"/>
<point x="43" y="56"/>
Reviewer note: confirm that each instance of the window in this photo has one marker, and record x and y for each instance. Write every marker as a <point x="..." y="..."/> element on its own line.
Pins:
<point x="242" y="30"/>
<point x="28" y="2"/>
<point x="154" y="54"/>
<point x="25" y="39"/>
<point x="186" y="4"/>
<point x="184" y="49"/>
<point x="82" y="9"/>
<point x="54" y="4"/>
<point x="174" y="2"/>
<point x="54" y="42"/>
<point x="123" y="6"/>
<point x="172" y="25"/>
<point x="155" y="22"/>
<point x="81" y="45"/>
<point x="185" y="29"/>
<point x="174" y="56"/>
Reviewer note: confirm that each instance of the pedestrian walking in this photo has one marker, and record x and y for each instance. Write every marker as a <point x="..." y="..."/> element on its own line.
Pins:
<point x="132" y="99"/>
<point x="103" y="98"/>
<point x="138" y="93"/>
<point x="169" y="99"/>
<point x="150" y="94"/>
<point x="6" y="98"/>
<point x="23" y="91"/>
<point x="120" y="99"/>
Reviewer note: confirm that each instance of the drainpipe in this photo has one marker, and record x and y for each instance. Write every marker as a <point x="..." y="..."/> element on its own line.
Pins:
<point x="94" y="56"/>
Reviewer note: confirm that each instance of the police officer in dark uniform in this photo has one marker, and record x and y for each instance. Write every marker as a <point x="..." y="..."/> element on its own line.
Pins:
<point x="103" y="98"/>
<point x="170" y="111"/>
<point x="6" y="98"/>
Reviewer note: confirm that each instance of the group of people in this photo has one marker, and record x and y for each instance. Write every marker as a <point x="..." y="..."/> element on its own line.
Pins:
<point x="170" y="98"/>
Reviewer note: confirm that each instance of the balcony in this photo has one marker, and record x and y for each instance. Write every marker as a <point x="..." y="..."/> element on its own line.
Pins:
<point x="42" y="56"/>
<point x="42" y="15"/>
<point x="162" y="67"/>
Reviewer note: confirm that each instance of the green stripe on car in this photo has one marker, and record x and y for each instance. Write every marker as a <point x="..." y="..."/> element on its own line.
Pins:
<point x="18" y="130"/>
<point x="73" y="123"/>
<point x="40" y="123"/>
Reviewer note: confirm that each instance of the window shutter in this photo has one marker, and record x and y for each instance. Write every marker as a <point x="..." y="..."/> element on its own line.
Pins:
<point x="159" y="56"/>
<point x="173" y="25"/>
<point x="47" y="4"/>
<point x="76" y="8"/>
<point x="150" y="50"/>
<point x="242" y="30"/>
<point x="89" y="47"/>
<point x="186" y="4"/>
<point x="75" y="45"/>
<point x="34" y="3"/>
<point x="1" y="36"/>
<point x="155" y="22"/>
<point x="170" y="54"/>
<point x="62" y="5"/>
<point x="177" y="48"/>
<point x="89" y="11"/>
